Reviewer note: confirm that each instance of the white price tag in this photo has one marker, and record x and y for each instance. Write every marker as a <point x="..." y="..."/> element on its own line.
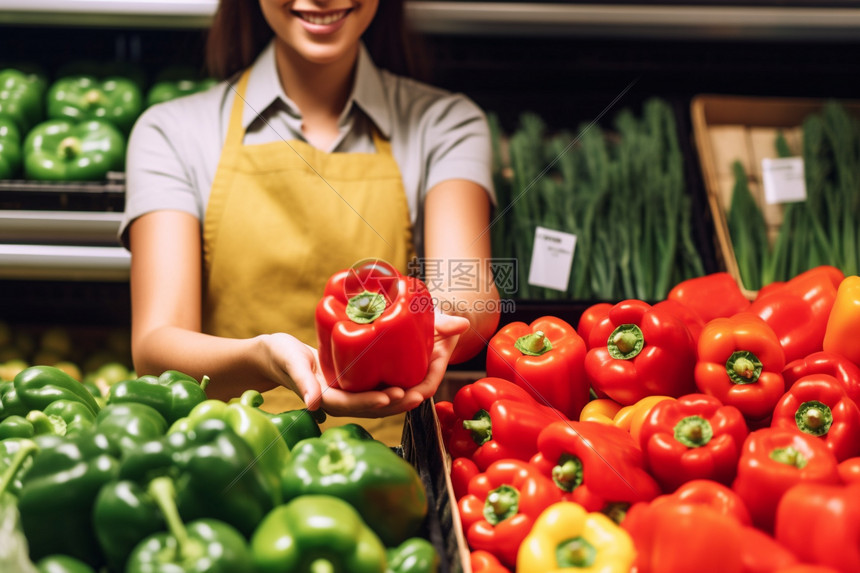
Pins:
<point x="552" y="258"/>
<point x="783" y="180"/>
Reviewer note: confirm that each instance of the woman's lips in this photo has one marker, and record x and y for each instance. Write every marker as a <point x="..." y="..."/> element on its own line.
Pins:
<point x="322" y="22"/>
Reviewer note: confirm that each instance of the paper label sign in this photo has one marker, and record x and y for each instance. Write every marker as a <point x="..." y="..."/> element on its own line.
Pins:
<point x="784" y="180"/>
<point x="552" y="258"/>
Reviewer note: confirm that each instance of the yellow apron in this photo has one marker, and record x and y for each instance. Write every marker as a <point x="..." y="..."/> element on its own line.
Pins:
<point x="282" y="218"/>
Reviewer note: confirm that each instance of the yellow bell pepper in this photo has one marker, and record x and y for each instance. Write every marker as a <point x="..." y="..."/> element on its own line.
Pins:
<point x="601" y="410"/>
<point x="567" y="539"/>
<point x="632" y="417"/>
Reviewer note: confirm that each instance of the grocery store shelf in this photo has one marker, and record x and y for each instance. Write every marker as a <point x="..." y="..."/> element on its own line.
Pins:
<point x="738" y="21"/>
<point x="637" y="20"/>
<point x="60" y="227"/>
<point x="64" y="262"/>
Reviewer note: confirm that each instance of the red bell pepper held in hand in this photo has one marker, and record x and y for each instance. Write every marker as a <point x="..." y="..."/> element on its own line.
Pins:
<point x="593" y="464"/>
<point x="637" y="351"/>
<point x="497" y="420"/>
<point x="761" y="553"/>
<point x="374" y="327"/>
<point x="740" y="363"/>
<point x="849" y="470"/>
<point x="502" y="505"/>
<point x="486" y="562"/>
<point x="716" y="295"/>
<point x="693" y="437"/>
<point x="677" y="537"/>
<point x="546" y="358"/>
<point x="798" y="311"/>
<point x="772" y="461"/>
<point x="821" y="524"/>
<point x="819" y="406"/>
<point x="840" y="333"/>
<point x="829" y="363"/>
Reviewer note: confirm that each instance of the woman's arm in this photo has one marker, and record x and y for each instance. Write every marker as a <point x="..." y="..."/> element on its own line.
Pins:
<point x="457" y="260"/>
<point x="166" y="287"/>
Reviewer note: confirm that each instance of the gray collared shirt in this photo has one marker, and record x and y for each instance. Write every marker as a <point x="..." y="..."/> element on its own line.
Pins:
<point x="435" y="135"/>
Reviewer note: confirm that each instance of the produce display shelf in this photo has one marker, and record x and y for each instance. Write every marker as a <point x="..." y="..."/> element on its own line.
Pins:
<point x="728" y="128"/>
<point x="831" y="20"/>
<point x="422" y="447"/>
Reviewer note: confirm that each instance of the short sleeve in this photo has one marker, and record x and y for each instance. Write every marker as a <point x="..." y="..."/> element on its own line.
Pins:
<point x="157" y="173"/>
<point x="457" y="140"/>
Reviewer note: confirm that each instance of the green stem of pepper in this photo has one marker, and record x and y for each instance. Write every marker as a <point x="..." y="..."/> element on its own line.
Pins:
<point x="365" y="307"/>
<point x="743" y="367"/>
<point x="251" y="398"/>
<point x="336" y="461"/>
<point x="814" y="417"/>
<point x="533" y="344"/>
<point x="625" y="342"/>
<point x="693" y="431"/>
<point x="70" y="147"/>
<point x="164" y="493"/>
<point x="28" y="448"/>
<point x="568" y="475"/>
<point x="789" y="456"/>
<point x="481" y="427"/>
<point x="575" y="552"/>
<point x="321" y="566"/>
<point x="501" y="503"/>
<point x="45" y="424"/>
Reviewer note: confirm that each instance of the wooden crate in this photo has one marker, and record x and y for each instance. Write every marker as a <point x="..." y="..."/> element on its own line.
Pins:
<point x="730" y="128"/>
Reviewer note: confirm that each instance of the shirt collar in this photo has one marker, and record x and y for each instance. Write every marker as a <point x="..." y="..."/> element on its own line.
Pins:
<point x="369" y="93"/>
<point x="264" y="89"/>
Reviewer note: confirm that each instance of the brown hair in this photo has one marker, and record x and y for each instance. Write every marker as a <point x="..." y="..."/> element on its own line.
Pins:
<point x="239" y="32"/>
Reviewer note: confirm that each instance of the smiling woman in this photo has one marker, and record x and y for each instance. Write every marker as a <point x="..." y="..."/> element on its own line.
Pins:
<point x="306" y="159"/>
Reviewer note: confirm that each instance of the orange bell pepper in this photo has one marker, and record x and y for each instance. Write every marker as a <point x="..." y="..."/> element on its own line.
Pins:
<point x="840" y="335"/>
<point x="601" y="410"/>
<point x="740" y="363"/>
<point x="632" y="417"/>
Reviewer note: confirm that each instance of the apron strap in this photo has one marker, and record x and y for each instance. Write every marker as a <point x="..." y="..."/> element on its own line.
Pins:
<point x="235" y="129"/>
<point x="382" y="145"/>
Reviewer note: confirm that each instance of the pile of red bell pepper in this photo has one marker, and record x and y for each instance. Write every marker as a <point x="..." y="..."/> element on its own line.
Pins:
<point x="705" y="432"/>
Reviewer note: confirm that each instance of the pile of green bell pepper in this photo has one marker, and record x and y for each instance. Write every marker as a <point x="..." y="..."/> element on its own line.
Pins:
<point x="10" y="148"/>
<point x="22" y="98"/>
<point x="160" y="478"/>
<point x="68" y="150"/>
<point x="174" y="394"/>
<point x="116" y="100"/>
<point x="385" y="489"/>
<point x="166" y="90"/>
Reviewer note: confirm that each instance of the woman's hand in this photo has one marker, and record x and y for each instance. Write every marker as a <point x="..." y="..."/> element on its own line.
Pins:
<point x="302" y="373"/>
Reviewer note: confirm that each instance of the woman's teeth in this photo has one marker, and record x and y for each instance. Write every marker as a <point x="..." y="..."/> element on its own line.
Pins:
<point x="323" y="19"/>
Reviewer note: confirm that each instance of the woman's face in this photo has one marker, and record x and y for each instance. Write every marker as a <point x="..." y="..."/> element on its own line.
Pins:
<point x="320" y="31"/>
